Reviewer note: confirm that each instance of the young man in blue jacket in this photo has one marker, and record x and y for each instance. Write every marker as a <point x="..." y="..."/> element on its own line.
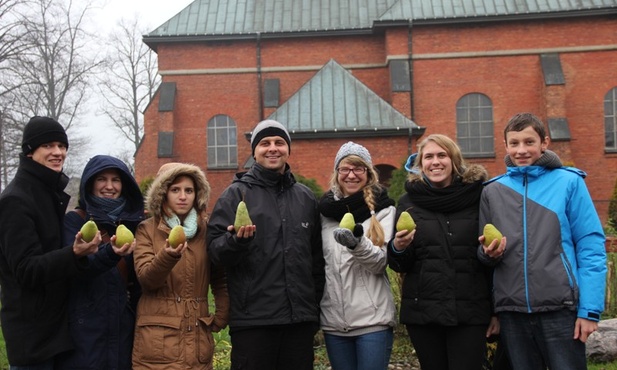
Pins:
<point x="550" y="278"/>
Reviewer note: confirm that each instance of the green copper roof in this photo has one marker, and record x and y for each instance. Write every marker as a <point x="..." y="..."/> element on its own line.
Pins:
<point x="335" y="101"/>
<point x="234" y="18"/>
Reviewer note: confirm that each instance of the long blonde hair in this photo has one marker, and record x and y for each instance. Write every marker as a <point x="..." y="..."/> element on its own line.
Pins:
<point x="375" y="231"/>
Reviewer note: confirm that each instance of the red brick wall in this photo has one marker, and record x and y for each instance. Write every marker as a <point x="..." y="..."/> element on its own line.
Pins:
<point x="512" y="79"/>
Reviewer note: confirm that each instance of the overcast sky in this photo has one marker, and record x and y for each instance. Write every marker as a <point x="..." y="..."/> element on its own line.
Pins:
<point x="151" y="13"/>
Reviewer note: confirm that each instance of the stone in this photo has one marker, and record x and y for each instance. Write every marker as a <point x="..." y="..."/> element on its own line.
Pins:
<point x="601" y="345"/>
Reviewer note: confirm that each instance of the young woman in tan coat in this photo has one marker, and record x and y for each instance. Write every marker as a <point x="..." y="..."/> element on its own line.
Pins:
<point x="174" y="326"/>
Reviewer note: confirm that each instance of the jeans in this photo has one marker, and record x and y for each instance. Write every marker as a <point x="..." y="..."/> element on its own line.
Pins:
<point x="363" y="352"/>
<point x="540" y="340"/>
<point x="49" y="365"/>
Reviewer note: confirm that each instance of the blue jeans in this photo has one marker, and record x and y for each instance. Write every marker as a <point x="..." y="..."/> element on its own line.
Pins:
<point x="540" y="340"/>
<point x="363" y="352"/>
<point x="49" y="365"/>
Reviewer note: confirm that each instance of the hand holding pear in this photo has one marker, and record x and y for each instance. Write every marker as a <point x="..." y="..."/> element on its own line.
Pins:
<point x="491" y="233"/>
<point x="176" y="236"/>
<point x="88" y="231"/>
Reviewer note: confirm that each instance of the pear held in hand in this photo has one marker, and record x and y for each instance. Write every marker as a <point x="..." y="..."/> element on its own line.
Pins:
<point x="176" y="236"/>
<point x="88" y="231"/>
<point x="405" y="222"/>
<point x="242" y="216"/>
<point x="347" y="222"/>
<point x="123" y="236"/>
<point x="491" y="233"/>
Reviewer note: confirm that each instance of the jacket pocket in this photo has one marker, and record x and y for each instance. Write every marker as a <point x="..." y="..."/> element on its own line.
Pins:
<point x="157" y="338"/>
<point x="205" y="341"/>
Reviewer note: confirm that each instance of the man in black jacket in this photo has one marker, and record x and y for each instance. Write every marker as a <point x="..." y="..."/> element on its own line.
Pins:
<point x="275" y="267"/>
<point x="34" y="263"/>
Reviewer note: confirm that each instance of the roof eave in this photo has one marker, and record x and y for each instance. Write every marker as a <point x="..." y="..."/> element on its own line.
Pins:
<point x="416" y="131"/>
<point x="380" y="24"/>
<point x="154" y="41"/>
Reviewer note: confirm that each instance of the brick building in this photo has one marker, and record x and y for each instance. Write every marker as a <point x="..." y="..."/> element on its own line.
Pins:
<point x="383" y="73"/>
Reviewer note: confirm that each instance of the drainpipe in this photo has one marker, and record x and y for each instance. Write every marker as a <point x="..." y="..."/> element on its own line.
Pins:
<point x="411" y="92"/>
<point x="259" y="83"/>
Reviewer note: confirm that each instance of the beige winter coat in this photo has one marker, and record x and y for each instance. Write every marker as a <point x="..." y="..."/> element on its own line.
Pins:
<point x="174" y="326"/>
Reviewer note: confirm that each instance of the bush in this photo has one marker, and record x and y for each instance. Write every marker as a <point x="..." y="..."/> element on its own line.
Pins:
<point x="612" y="209"/>
<point x="311" y="183"/>
<point x="397" y="182"/>
<point x="144" y="185"/>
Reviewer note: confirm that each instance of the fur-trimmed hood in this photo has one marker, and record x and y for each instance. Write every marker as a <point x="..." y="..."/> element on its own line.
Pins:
<point x="472" y="173"/>
<point x="166" y="176"/>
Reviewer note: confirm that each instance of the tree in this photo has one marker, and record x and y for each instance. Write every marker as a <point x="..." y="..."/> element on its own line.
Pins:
<point x="130" y="80"/>
<point x="11" y="32"/>
<point x="52" y="73"/>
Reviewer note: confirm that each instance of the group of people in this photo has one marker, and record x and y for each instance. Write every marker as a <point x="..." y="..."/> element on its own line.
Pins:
<point x="68" y="303"/>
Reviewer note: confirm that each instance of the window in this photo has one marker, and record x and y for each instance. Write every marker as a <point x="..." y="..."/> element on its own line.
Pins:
<point x="474" y="125"/>
<point x="610" y="120"/>
<point x="222" y="142"/>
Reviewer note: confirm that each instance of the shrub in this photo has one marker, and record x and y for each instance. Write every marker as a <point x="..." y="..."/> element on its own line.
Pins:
<point x="311" y="183"/>
<point x="612" y="209"/>
<point x="397" y="182"/>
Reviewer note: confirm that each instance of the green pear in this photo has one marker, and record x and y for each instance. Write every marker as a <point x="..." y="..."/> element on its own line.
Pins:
<point x="491" y="233"/>
<point x="88" y="231"/>
<point x="348" y="222"/>
<point x="176" y="236"/>
<point x="242" y="216"/>
<point x="405" y="222"/>
<point x="123" y="236"/>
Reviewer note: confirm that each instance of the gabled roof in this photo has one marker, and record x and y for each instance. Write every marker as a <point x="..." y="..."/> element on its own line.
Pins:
<point x="334" y="102"/>
<point x="236" y="19"/>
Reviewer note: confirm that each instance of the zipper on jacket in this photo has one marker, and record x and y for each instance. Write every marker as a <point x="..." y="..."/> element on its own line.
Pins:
<point x="525" y="184"/>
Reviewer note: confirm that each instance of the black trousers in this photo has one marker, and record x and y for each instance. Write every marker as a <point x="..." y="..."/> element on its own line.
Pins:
<point x="277" y="347"/>
<point x="438" y="347"/>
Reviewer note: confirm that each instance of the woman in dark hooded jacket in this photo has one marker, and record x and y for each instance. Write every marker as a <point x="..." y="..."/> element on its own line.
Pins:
<point x="103" y="298"/>
<point x="446" y="301"/>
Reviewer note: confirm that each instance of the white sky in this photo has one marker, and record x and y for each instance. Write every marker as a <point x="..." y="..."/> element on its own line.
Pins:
<point x="151" y="14"/>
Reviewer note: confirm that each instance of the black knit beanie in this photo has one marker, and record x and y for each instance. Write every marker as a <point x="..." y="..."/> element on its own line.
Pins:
<point x="41" y="130"/>
<point x="269" y="128"/>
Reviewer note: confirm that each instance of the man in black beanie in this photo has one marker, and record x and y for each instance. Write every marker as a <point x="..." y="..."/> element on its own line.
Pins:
<point x="275" y="267"/>
<point x="35" y="265"/>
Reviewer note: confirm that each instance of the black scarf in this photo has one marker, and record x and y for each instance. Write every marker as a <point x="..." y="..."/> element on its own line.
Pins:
<point x="332" y="208"/>
<point x="455" y="197"/>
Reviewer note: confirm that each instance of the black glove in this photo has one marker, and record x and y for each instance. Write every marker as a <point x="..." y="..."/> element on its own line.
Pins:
<point x="347" y="238"/>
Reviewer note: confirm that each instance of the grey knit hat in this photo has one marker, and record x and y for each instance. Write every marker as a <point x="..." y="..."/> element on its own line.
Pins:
<point x="269" y="128"/>
<point x="351" y="148"/>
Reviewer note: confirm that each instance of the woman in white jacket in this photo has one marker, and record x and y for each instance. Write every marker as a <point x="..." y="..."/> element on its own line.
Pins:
<point x="357" y="308"/>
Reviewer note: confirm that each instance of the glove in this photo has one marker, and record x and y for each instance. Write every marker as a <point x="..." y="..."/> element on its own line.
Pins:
<point x="347" y="238"/>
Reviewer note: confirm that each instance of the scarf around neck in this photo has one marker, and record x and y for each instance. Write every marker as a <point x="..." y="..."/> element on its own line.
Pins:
<point x="452" y="198"/>
<point x="332" y="207"/>
<point x="111" y="207"/>
<point x="189" y="225"/>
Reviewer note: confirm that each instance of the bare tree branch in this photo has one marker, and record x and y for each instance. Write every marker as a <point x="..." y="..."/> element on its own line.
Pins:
<point x="130" y="80"/>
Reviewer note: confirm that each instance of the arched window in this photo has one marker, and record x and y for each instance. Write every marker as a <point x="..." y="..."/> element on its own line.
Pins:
<point x="610" y="120"/>
<point x="222" y="142"/>
<point x="474" y="125"/>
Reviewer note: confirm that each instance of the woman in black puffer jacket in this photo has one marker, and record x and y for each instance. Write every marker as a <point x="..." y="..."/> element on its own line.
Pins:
<point x="446" y="303"/>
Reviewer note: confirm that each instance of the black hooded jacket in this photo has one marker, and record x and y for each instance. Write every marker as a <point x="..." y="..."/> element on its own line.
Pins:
<point x="103" y="298"/>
